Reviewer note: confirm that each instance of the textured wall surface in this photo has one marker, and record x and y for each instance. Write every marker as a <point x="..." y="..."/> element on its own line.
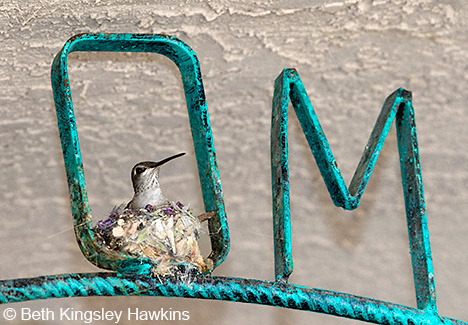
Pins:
<point x="130" y="107"/>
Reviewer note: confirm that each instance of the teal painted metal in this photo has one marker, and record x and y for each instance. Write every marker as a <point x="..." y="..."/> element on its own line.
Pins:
<point x="277" y="294"/>
<point x="187" y="62"/>
<point x="134" y="278"/>
<point x="398" y="105"/>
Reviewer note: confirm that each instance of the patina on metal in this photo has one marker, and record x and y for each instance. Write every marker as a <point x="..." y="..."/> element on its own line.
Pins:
<point x="397" y="106"/>
<point x="187" y="62"/>
<point x="278" y="294"/>
<point x="134" y="279"/>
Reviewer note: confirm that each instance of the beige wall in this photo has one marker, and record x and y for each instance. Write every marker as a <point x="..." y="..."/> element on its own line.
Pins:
<point x="350" y="55"/>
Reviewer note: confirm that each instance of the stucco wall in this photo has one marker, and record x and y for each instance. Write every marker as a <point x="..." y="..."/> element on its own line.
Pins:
<point x="350" y="55"/>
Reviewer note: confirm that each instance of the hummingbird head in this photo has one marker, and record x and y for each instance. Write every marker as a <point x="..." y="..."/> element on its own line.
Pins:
<point x="145" y="175"/>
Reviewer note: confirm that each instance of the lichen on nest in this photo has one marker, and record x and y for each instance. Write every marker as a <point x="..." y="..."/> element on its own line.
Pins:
<point x="167" y="235"/>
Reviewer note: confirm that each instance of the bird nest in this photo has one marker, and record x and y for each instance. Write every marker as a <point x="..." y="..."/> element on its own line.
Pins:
<point x="167" y="235"/>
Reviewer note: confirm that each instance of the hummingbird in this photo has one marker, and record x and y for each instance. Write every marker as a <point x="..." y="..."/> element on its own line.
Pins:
<point x="145" y="179"/>
<point x="153" y="227"/>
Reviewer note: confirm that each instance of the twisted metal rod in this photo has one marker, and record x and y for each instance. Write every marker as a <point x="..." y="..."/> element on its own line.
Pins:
<point x="276" y="294"/>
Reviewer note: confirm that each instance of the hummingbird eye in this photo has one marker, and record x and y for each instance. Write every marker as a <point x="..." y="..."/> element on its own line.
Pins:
<point x="139" y="170"/>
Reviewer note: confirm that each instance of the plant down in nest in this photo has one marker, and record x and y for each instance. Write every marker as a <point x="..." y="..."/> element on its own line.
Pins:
<point x="167" y="235"/>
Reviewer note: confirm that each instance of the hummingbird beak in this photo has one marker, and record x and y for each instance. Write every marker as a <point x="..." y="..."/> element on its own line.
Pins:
<point x="162" y="162"/>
